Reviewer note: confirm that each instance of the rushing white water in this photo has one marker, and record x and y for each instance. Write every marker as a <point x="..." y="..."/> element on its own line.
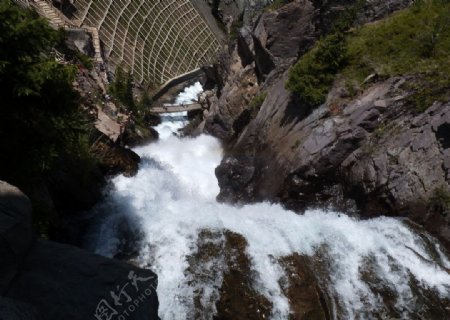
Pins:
<point x="172" y="198"/>
<point x="171" y="122"/>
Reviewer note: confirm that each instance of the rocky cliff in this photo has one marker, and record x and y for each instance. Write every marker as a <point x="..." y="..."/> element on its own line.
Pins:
<point x="45" y="280"/>
<point x="370" y="153"/>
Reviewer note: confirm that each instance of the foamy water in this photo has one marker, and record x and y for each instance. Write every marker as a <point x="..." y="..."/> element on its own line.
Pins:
<point x="172" y="122"/>
<point x="172" y="198"/>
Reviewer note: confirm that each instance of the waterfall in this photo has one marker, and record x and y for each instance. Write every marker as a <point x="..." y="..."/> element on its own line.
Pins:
<point x="171" y="201"/>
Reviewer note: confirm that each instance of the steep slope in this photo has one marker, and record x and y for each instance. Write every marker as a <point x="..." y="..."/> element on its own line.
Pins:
<point x="377" y="148"/>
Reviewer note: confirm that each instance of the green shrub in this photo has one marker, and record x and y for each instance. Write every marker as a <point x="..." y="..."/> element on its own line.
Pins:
<point x="415" y="41"/>
<point x="312" y="76"/>
<point x="43" y="130"/>
<point x="257" y="101"/>
<point x="85" y="60"/>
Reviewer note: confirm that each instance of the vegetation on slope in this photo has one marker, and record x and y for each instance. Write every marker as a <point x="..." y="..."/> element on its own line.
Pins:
<point x="312" y="77"/>
<point x="39" y="114"/>
<point x="415" y="41"/>
<point x="257" y="101"/>
<point x="43" y="129"/>
<point x="122" y="88"/>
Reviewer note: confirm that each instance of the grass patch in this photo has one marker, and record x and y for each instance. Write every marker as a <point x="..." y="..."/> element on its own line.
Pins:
<point x="415" y="41"/>
<point x="313" y="75"/>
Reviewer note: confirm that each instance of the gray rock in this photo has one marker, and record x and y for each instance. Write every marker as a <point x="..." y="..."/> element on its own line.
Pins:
<point x="50" y="281"/>
<point x="234" y="175"/>
<point x="15" y="232"/>
<point x="14" y="310"/>
<point x="288" y="31"/>
<point x="80" y="40"/>
<point x="387" y="159"/>
<point x="63" y="282"/>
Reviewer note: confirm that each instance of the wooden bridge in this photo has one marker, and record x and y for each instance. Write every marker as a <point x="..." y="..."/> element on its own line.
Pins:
<point x="172" y="108"/>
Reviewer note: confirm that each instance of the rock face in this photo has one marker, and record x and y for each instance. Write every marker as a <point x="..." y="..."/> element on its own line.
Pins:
<point x="115" y="159"/>
<point x="45" y="280"/>
<point x="374" y="150"/>
<point x="229" y="12"/>
<point x="372" y="154"/>
<point x="263" y="52"/>
<point x="15" y="310"/>
<point x="80" y="40"/>
<point x="15" y="232"/>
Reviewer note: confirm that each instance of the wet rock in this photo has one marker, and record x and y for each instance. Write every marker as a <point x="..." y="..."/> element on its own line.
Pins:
<point x="245" y="46"/>
<point x="264" y="51"/>
<point x="231" y="11"/>
<point x="64" y="282"/>
<point x="114" y="159"/>
<point x="387" y="159"/>
<point x="372" y="152"/>
<point x="222" y="277"/>
<point x="72" y="189"/>
<point x="238" y="299"/>
<point x="240" y="86"/>
<point x="306" y="299"/>
<point x="135" y="135"/>
<point x="234" y="176"/>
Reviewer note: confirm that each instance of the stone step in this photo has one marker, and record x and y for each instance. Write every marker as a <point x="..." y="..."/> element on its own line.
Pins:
<point x="49" y="12"/>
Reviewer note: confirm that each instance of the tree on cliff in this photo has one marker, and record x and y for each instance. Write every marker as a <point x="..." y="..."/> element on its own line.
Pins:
<point x="40" y="121"/>
<point x="122" y="88"/>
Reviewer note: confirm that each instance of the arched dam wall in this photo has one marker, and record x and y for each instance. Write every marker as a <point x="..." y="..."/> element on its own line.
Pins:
<point x="156" y="40"/>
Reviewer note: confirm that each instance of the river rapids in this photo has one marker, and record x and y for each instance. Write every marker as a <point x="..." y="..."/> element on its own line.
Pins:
<point x="382" y="268"/>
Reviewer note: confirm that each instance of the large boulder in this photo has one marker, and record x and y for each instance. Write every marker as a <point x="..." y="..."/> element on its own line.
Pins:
<point x="15" y="310"/>
<point x="295" y="22"/>
<point x="63" y="282"/>
<point x="115" y="159"/>
<point x="50" y="281"/>
<point x="15" y="232"/>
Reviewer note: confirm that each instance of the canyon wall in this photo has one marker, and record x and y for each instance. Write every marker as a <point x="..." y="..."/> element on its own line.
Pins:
<point x="370" y="154"/>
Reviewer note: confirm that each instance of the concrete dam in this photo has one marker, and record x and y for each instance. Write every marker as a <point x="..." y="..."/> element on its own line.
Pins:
<point x="155" y="40"/>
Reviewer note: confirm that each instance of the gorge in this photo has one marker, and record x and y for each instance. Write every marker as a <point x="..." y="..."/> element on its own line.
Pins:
<point x="313" y="182"/>
<point x="167" y="218"/>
